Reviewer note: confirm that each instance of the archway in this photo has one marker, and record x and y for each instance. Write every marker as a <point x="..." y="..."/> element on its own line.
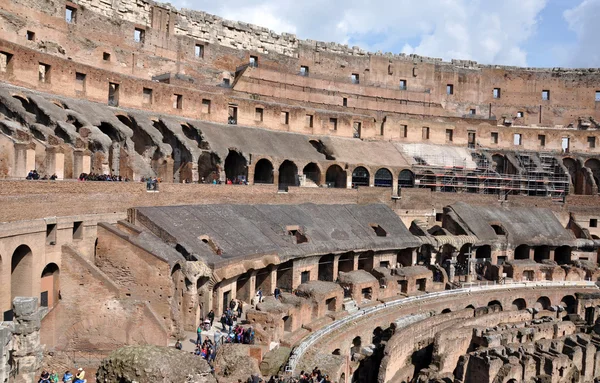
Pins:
<point x="572" y="166"/>
<point x="236" y="167"/>
<point x="346" y="263"/>
<point x="335" y="177"/>
<point x="178" y="279"/>
<point x="543" y="303"/>
<point x="383" y="178"/>
<point x="263" y="172"/>
<point x="208" y="169"/>
<point x="49" y="286"/>
<point x="312" y="174"/>
<point x="326" y="268"/>
<point x="360" y="177"/>
<point x="288" y="175"/>
<point x="446" y="311"/>
<point x="243" y="287"/>
<point x="495" y="303"/>
<point x="522" y="252"/>
<point x="540" y="253"/>
<point x="365" y="261"/>
<point x="519" y="304"/>
<point x="406" y="179"/>
<point x="569" y="303"/>
<point x="562" y="255"/>
<point x="483" y="252"/>
<point x="21" y="274"/>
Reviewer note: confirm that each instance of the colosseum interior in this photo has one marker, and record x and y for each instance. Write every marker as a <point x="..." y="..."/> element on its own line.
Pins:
<point x="423" y="220"/>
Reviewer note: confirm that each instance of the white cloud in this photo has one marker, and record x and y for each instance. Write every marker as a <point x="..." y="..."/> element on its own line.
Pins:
<point x="583" y="20"/>
<point x="481" y="30"/>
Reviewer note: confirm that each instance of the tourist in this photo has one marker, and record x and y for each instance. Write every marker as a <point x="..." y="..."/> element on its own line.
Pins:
<point x="53" y="377"/>
<point x="239" y="309"/>
<point x="199" y="334"/>
<point x="211" y="317"/>
<point x="44" y="377"/>
<point x="80" y="374"/>
<point x="53" y="177"/>
<point x="67" y="377"/>
<point x="178" y="345"/>
<point x="223" y="320"/>
<point x="259" y="293"/>
<point x="277" y="293"/>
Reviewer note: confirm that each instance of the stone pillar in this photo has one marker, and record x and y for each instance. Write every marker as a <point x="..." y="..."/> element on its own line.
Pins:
<point x="355" y="267"/>
<point x="394" y="185"/>
<point x="452" y="267"/>
<point x="55" y="162"/>
<point x="414" y="257"/>
<point x="115" y="159"/>
<point x="336" y="265"/>
<point x="348" y="179"/>
<point x="532" y="253"/>
<point x="82" y="162"/>
<point x="24" y="159"/>
<point x="273" y="278"/>
<point x="371" y="179"/>
<point x="27" y="351"/>
<point x="551" y="254"/>
<point x="165" y="170"/>
<point x="252" y="287"/>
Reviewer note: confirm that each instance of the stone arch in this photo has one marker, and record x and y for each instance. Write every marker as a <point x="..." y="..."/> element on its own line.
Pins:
<point x="470" y="307"/>
<point x="263" y="172"/>
<point x="521" y="252"/>
<point x="406" y="179"/>
<point x="541" y="253"/>
<point x="178" y="279"/>
<point x="383" y="178"/>
<point x="326" y="268"/>
<point x="446" y="311"/>
<point x="360" y="176"/>
<point x="21" y="273"/>
<point x="312" y="172"/>
<point x="288" y="175"/>
<point x="543" y="303"/>
<point x="496" y="303"/>
<point x="562" y="255"/>
<point x="142" y="142"/>
<point x="483" y="252"/>
<point x="519" y="304"/>
<point x="569" y="303"/>
<point x="572" y="167"/>
<point x="236" y="167"/>
<point x="50" y="285"/>
<point x="182" y="157"/>
<point x="594" y="165"/>
<point x="208" y="169"/>
<point x="365" y="261"/>
<point x="336" y="177"/>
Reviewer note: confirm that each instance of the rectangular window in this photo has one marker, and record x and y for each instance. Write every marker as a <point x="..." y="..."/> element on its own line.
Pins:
<point x="309" y="120"/>
<point x="80" y="81"/>
<point x="473" y="112"/>
<point x="344" y="101"/>
<point x="402" y="84"/>
<point x="497" y="93"/>
<point x="232" y="118"/>
<point x="519" y="114"/>
<point x="449" y="89"/>
<point x="355" y="78"/>
<point x="598" y="96"/>
<point x="147" y="96"/>
<point x="591" y="142"/>
<point x="5" y="62"/>
<point x="30" y="35"/>
<point x="226" y="82"/>
<point x="205" y="106"/>
<point x="138" y="35"/>
<point x="51" y="234"/>
<point x="78" y="230"/>
<point x="106" y="56"/>
<point x="404" y="130"/>
<point x="113" y="94"/>
<point x="258" y="114"/>
<point x="177" y="101"/>
<point x="565" y="144"/>
<point x="517" y="139"/>
<point x="593" y="222"/>
<point x="425" y="133"/>
<point x="304" y="276"/>
<point x="356" y="128"/>
<point x="494" y="137"/>
<point x="44" y="73"/>
<point x="285" y="118"/>
<point x="449" y="134"/>
<point x="333" y="123"/>
<point x="304" y="70"/>
<point x="70" y="14"/>
<point x="199" y="51"/>
<point x="542" y="139"/>
<point x="546" y="95"/>
<point x="254" y="61"/>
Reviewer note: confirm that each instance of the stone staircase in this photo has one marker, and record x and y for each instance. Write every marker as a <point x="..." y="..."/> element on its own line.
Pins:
<point x="349" y="305"/>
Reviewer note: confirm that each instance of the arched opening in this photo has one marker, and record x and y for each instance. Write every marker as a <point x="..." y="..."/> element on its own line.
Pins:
<point x="182" y="158"/>
<point x="243" y="287"/>
<point x="495" y="304"/>
<point x="285" y="275"/>
<point x="202" y="289"/>
<point x="337" y="351"/>
<point x="326" y="268"/>
<point x="569" y="303"/>
<point x="342" y="378"/>
<point x="287" y="323"/>
<point x="142" y="141"/>
<point x="446" y="311"/>
<point x="572" y="167"/>
<point x="178" y="279"/>
<point x="519" y="304"/>
<point x="498" y="229"/>
<point x="522" y="252"/>
<point x="236" y="167"/>
<point x="365" y="261"/>
<point x="406" y="179"/>
<point x="405" y="257"/>
<point x="562" y="255"/>
<point x="49" y="286"/>
<point x="383" y="178"/>
<point x="346" y="263"/>
<point x="263" y="172"/>
<point x="470" y="307"/>
<point x="541" y="252"/>
<point x="356" y="344"/>
<point x="288" y="175"/>
<point x="360" y="177"/>
<point x="21" y="274"/>
<point x="312" y="174"/>
<point x="377" y="335"/>
<point x="208" y="170"/>
<point x="499" y="163"/>
<point x="543" y="303"/>
<point x="335" y="177"/>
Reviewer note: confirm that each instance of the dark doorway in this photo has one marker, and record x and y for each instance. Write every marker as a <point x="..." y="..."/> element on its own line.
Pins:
<point x="236" y="167"/>
<point x="335" y="177"/>
<point x="360" y="177"/>
<point x="263" y="172"/>
<point x="288" y="175"/>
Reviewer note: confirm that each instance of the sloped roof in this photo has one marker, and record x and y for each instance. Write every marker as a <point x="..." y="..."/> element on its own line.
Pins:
<point x="257" y="230"/>
<point x="530" y="226"/>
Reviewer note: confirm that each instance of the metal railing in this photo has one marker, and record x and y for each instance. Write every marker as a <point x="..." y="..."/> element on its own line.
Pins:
<point x="299" y="351"/>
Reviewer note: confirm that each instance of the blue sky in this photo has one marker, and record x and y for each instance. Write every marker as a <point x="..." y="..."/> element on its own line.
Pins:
<point x="542" y="33"/>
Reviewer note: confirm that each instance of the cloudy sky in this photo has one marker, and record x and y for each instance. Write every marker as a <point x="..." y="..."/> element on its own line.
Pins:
<point x="544" y="33"/>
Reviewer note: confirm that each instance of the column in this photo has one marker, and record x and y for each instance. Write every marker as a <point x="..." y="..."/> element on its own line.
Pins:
<point x="273" y="278"/>
<point x="394" y="185"/>
<point x="252" y="282"/>
<point x="24" y="159"/>
<point x="336" y="260"/>
<point x="355" y="267"/>
<point x="82" y="162"/>
<point x="165" y="170"/>
<point x="414" y="257"/>
<point x="372" y="179"/>
<point x="55" y="162"/>
<point x="348" y="179"/>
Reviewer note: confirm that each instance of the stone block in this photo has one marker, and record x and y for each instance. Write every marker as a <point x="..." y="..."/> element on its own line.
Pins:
<point x="24" y="306"/>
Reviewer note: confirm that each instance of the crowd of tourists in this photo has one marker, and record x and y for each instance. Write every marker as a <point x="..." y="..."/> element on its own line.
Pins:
<point x="34" y="175"/>
<point x="316" y="376"/>
<point x="68" y="377"/>
<point x="102" y="177"/>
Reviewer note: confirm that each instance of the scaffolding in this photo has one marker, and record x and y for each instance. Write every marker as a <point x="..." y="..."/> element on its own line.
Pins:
<point x="537" y="174"/>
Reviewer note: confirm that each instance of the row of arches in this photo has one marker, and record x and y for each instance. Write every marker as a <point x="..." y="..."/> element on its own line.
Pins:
<point x="568" y="303"/>
<point x="578" y="176"/>
<point x="22" y="279"/>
